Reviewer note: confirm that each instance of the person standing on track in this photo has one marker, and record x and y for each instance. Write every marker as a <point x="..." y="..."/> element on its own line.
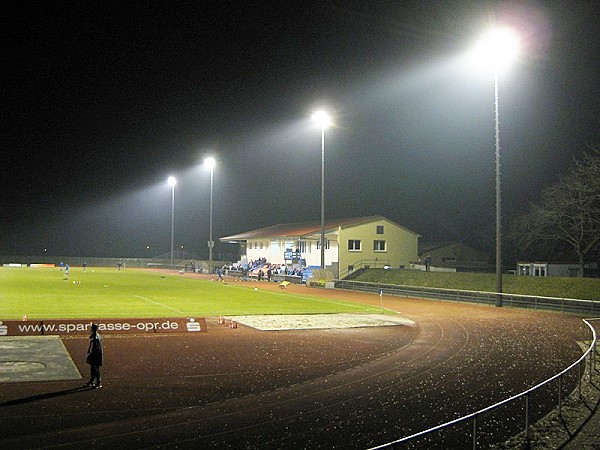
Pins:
<point x="94" y="358"/>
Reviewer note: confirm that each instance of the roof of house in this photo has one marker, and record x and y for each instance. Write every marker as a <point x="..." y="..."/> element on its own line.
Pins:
<point x="303" y="229"/>
<point x="429" y="246"/>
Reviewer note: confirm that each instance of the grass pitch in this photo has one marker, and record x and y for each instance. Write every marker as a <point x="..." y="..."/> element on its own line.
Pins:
<point x="45" y="293"/>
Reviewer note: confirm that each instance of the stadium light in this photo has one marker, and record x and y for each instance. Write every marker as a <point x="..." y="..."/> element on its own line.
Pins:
<point x="322" y="119"/>
<point x="497" y="49"/>
<point x="210" y="164"/>
<point x="172" y="182"/>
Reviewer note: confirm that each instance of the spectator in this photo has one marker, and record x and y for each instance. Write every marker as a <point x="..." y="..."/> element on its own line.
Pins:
<point x="95" y="358"/>
<point x="427" y="263"/>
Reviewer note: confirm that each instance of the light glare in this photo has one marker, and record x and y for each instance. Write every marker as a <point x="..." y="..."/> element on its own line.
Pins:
<point x="322" y="118"/>
<point x="172" y="181"/>
<point x="210" y="163"/>
<point x="498" y="48"/>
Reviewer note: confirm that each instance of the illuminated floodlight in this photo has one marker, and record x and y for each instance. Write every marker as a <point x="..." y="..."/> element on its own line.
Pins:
<point x="210" y="163"/>
<point x="172" y="181"/>
<point x="322" y="119"/>
<point x="498" y="48"/>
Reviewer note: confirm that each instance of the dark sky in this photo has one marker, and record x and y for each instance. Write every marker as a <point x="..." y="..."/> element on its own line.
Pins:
<point x="102" y="101"/>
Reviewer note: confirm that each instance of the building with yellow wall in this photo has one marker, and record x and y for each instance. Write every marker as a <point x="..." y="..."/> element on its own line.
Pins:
<point x="350" y="244"/>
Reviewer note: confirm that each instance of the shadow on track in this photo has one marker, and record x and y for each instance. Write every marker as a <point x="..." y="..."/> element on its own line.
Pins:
<point x="35" y="398"/>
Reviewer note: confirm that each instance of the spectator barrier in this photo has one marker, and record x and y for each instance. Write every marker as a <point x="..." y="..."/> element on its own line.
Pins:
<point x="576" y="369"/>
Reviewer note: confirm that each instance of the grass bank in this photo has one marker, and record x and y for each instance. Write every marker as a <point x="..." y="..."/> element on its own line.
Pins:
<point x="579" y="288"/>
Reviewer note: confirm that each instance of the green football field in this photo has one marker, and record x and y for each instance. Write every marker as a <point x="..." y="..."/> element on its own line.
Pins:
<point x="45" y="293"/>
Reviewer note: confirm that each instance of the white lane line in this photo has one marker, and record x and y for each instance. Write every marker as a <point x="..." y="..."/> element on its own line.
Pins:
<point x="158" y="303"/>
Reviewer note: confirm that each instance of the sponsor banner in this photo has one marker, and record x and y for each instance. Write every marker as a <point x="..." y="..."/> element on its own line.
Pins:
<point x="108" y="326"/>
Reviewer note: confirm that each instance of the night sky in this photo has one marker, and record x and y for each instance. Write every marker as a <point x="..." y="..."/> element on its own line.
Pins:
<point x="102" y="101"/>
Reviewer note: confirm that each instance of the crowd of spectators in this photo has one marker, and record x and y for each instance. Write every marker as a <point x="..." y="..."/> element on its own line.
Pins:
<point x="262" y="269"/>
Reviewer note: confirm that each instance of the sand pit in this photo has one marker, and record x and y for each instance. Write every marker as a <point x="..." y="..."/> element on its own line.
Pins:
<point x="319" y="321"/>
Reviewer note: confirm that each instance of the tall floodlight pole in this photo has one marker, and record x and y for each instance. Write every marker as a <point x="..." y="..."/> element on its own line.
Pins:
<point x="499" y="47"/>
<point x="498" y="195"/>
<point x="172" y="182"/>
<point x="324" y="121"/>
<point x="210" y="164"/>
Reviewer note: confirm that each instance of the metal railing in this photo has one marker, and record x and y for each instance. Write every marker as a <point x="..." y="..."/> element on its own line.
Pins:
<point x="570" y="305"/>
<point x="489" y="298"/>
<point x="474" y="417"/>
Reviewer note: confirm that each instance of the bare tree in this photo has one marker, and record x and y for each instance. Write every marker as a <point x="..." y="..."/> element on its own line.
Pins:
<point x="568" y="213"/>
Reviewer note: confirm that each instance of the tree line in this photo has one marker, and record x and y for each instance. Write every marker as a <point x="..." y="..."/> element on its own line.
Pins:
<point x="565" y="222"/>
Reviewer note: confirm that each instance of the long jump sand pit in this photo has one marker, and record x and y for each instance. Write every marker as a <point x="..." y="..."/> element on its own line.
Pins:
<point x="319" y="321"/>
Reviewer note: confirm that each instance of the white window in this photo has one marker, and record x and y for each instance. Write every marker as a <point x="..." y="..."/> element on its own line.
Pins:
<point x="354" y="245"/>
<point x="379" y="246"/>
<point x="326" y="244"/>
<point x="302" y="246"/>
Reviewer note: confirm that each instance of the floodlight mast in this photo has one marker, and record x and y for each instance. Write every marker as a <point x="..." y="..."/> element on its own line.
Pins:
<point x="210" y="164"/>
<point x="498" y="49"/>
<point x="324" y="121"/>
<point x="172" y="182"/>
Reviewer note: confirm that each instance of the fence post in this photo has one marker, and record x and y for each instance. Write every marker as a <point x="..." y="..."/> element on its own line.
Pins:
<point x="475" y="433"/>
<point x="527" y="418"/>
<point x="560" y="396"/>
<point x="579" y="379"/>
<point x="593" y="360"/>
<point x="595" y="349"/>
<point x="592" y="363"/>
<point x="594" y="356"/>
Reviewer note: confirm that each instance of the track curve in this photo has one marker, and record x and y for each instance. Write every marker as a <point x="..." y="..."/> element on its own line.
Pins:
<point x="298" y="389"/>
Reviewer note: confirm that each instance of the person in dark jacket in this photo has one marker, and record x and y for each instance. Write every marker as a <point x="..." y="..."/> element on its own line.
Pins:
<point x="94" y="358"/>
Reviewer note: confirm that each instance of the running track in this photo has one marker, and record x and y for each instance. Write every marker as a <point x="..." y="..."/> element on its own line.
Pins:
<point x="355" y="388"/>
